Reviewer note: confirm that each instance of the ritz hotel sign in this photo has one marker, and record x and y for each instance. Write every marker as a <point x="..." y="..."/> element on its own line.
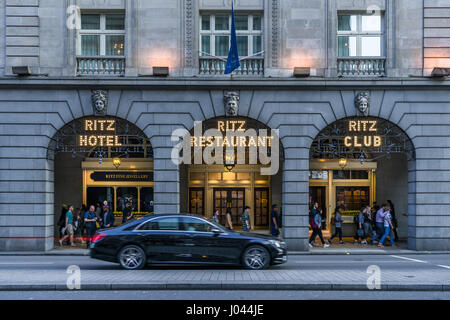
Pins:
<point x="362" y="134"/>
<point x="102" y="134"/>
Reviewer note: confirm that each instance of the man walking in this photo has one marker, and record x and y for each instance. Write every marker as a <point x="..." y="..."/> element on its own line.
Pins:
<point x="108" y="217"/>
<point x="274" y="228"/>
<point x="126" y="212"/>
<point x="68" y="227"/>
<point x="246" y="219"/>
<point x="379" y="221"/>
<point x="90" y="220"/>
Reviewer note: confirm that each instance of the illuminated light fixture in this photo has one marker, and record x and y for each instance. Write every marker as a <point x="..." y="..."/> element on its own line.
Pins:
<point x="440" y="72"/>
<point x="229" y="161"/>
<point x="302" y="72"/>
<point x="342" y="163"/>
<point x="22" y="70"/>
<point x="161" y="71"/>
<point x="116" y="163"/>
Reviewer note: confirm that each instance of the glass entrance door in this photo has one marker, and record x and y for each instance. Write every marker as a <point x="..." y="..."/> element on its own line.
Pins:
<point x="261" y="207"/>
<point x="233" y="198"/>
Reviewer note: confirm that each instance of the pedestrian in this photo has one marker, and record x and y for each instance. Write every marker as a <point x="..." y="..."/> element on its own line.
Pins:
<point x="108" y="217"/>
<point x="69" y="227"/>
<point x="62" y="221"/>
<point x="316" y="224"/>
<point x="215" y="216"/>
<point x="228" y="220"/>
<point x="126" y="212"/>
<point x="246" y="219"/>
<point x="394" y="220"/>
<point x="337" y="221"/>
<point x="274" y="225"/>
<point x="359" y="222"/>
<point x="388" y="227"/>
<point x="90" y="220"/>
<point x="379" y="221"/>
<point x="78" y="226"/>
<point x="368" y="229"/>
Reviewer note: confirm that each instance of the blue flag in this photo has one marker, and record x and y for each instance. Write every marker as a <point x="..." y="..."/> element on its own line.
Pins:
<point x="233" y="56"/>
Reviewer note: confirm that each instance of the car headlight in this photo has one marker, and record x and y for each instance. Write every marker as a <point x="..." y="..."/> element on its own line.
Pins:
<point x="276" y="243"/>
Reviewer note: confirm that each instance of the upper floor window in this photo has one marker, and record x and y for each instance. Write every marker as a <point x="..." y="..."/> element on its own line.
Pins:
<point x="360" y="45"/>
<point x="101" y="44"/>
<point x="215" y="34"/>
<point x="359" y="35"/>
<point x="102" y="35"/>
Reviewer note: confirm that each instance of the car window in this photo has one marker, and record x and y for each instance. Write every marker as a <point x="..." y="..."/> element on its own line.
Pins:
<point x="169" y="223"/>
<point x="193" y="224"/>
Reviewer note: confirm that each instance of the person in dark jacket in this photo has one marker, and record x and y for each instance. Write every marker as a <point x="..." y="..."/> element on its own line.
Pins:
<point x="90" y="220"/>
<point x="316" y="225"/>
<point x="62" y="221"/>
<point x="337" y="221"/>
<point x="126" y="212"/>
<point x="394" y="220"/>
<point x="274" y="227"/>
<point x="108" y="217"/>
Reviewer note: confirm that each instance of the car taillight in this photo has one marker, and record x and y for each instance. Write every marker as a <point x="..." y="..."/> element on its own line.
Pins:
<point x="98" y="237"/>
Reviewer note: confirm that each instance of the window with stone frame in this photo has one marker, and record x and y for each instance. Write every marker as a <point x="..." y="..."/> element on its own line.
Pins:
<point x="360" y="35"/>
<point x="215" y="34"/>
<point x="101" y="34"/>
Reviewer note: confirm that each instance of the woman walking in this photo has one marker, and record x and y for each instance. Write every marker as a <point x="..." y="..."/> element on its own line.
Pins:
<point x="316" y="224"/>
<point x="388" y="227"/>
<point x="337" y="221"/>
<point x="215" y="216"/>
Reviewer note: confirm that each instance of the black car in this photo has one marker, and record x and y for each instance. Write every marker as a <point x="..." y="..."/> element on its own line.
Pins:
<point x="183" y="238"/>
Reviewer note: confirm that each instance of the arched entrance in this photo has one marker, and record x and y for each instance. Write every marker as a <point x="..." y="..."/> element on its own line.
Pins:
<point x="232" y="185"/>
<point x="101" y="161"/>
<point x="360" y="161"/>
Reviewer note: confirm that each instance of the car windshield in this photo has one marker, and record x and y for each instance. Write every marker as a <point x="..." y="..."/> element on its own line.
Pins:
<point x="221" y="227"/>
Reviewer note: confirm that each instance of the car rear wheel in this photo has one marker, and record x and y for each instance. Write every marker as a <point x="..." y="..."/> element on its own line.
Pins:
<point x="256" y="258"/>
<point x="132" y="257"/>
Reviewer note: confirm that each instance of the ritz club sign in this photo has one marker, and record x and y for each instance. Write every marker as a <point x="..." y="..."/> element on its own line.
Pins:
<point x="99" y="134"/>
<point x="362" y="134"/>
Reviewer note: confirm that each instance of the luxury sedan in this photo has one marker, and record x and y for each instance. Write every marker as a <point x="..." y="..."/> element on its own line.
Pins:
<point x="186" y="239"/>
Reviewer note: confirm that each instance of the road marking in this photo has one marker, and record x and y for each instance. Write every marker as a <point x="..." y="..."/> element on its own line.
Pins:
<point x="442" y="266"/>
<point x="410" y="259"/>
<point x="26" y="263"/>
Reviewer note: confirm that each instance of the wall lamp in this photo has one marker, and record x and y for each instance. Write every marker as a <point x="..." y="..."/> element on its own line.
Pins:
<point x="22" y="70"/>
<point x="440" y="72"/>
<point x="161" y="71"/>
<point x="302" y="72"/>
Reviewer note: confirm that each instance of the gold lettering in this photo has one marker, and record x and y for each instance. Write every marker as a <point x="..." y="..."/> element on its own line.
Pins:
<point x="111" y="125"/>
<point x="376" y="141"/>
<point x="367" y="141"/>
<point x="373" y="126"/>
<point x="88" y="125"/>
<point x="357" y="144"/>
<point x="351" y="126"/>
<point x="347" y="141"/>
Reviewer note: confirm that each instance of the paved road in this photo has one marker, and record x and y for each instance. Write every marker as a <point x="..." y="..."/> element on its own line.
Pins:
<point x="311" y="272"/>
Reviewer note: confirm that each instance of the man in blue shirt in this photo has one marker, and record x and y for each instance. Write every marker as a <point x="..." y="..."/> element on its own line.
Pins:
<point x="90" y="220"/>
<point x="68" y="227"/>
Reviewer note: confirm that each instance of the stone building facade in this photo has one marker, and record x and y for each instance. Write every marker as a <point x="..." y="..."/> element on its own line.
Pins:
<point x="411" y="41"/>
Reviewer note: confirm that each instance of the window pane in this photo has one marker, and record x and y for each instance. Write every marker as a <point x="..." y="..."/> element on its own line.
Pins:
<point x="371" y="23"/>
<point x="371" y="46"/>
<point x="241" y="22"/>
<point x="192" y="224"/>
<point x="346" y="22"/>
<point x="242" y="43"/>
<point x="100" y="195"/>
<point x="206" y="45"/>
<point x="166" y="224"/>
<point x="115" y="22"/>
<point x="222" y="22"/>
<point x="146" y="200"/>
<point x="90" y="21"/>
<point x="206" y="22"/>
<point x="126" y="194"/>
<point x="256" y="22"/>
<point x="222" y="46"/>
<point x="114" y="45"/>
<point x="257" y="44"/>
<point x="90" y="45"/>
<point x="346" y="46"/>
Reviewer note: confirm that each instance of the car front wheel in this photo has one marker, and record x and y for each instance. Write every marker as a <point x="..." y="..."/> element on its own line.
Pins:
<point x="132" y="257"/>
<point x="256" y="258"/>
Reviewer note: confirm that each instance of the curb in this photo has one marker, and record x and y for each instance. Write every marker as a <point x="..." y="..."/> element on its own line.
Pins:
<point x="226" y="286"/>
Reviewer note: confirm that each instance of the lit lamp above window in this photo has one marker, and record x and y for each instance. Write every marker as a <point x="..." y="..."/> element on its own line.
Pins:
<point x="302" y="72"/>
<point x="440" y="72"/>
<point x="161" y="71"/>
<point x="116" y="163"/>
<point x="342" y="163"/>
<point x="228" y="161"/>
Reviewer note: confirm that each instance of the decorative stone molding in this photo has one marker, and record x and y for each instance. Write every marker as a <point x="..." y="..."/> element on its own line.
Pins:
<point x="275" y="31"/>
<point x="362" y="102"/>
<point x="100" y="102"/>
<point x="189" y="33"/>
<point x="231" y="101"/>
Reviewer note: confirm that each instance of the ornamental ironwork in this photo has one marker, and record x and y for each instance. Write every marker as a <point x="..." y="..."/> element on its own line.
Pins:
<point x="361" y="138"/>
<point x="105" y="137"/>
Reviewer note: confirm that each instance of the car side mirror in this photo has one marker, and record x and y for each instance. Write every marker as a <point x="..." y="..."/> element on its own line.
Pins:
<point x="216" y="231"/>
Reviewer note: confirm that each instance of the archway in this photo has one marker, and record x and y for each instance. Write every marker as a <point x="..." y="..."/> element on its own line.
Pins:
<point x="360" y="161"/>
<point x="101" y="161"/>
<point x="205" y="187"/>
